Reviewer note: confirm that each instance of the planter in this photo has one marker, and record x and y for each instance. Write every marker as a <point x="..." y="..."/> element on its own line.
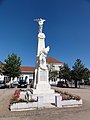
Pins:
<point x="39" y="101"/>
<point x="23" y="106"/>
<point x="62" y="103"/>
<point x="71" y="102"/>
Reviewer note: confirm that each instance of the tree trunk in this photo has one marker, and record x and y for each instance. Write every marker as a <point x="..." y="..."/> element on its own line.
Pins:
<point x="75" y="83"/>
<point x="79" y="84"/>
<point x="65" y="81"/>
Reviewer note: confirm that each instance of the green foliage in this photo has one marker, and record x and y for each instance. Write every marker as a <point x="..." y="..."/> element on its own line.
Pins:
<point x="64" y="72"/>
<point x="86" y="74"/>
<point x="79" y="72"/>
<point x="53" y="74"/>
<point x="12" y="66"/>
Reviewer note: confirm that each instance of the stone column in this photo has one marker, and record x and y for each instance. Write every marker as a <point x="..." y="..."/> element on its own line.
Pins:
<point x="41" y="82"/>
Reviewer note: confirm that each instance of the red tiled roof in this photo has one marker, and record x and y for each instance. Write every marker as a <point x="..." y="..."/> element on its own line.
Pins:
<point x="27" y="69"/>
<point x="52" y="60"/>
<point x="32" y="69"/>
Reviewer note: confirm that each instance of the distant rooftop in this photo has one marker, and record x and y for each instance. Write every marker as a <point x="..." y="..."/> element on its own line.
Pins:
<point x="32" y="69"/>
<point x="27" y="68"/>
<point x="52" y="60"/>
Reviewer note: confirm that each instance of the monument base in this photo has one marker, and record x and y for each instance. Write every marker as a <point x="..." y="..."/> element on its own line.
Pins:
<point x="48" y="95"/>
<point x="43" y="88"/>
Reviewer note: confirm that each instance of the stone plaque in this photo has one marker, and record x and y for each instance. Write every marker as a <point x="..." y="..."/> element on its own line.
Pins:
<point x="43" y="75"/>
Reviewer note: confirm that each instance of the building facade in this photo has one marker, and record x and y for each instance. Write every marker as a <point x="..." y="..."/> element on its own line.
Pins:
<point x="28" y="72"/>
<point x="54" y="65"/>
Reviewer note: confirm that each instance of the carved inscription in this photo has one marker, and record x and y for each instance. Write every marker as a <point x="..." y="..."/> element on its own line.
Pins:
<point x="43" y="75"/>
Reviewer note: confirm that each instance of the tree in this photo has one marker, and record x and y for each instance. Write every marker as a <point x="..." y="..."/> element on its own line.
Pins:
<point x="64" y="72"/>
<point x="53" y="74"/>
<point x="78" y="72"/>
<point x="12" y="66"/>
<point x="86" y="75"/>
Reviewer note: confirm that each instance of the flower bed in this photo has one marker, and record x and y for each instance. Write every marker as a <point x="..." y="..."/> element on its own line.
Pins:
<point x="23" y="100"/>
<point x="18" y="102"/>
<point x="15" y="97"/>
<point x="67" y="99"/>
<point x="67" y="96"/>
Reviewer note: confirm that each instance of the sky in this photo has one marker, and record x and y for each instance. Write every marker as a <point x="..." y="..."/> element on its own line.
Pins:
<point x="67" y="29"/>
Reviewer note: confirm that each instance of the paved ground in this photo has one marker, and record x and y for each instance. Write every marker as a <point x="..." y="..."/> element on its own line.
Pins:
<point x="78" y="113"/>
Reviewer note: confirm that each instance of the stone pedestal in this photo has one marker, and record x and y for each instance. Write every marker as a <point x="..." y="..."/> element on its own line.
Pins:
<point x="42" y="86"/>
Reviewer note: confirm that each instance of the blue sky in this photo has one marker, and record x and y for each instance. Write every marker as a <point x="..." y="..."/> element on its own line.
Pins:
<point x="67" y="29"/>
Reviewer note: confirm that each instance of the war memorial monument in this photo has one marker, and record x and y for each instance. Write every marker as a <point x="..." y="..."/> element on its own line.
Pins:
<point x="41" y="95"/>
<point x="41" y="82"/>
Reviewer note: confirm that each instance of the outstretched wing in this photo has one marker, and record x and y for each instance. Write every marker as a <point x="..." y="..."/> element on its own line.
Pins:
<point x="36" y="20"/>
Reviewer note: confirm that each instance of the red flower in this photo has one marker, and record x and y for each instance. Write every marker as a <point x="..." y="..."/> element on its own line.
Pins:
<point x="15" y="96"/>
<point x="11" y="101"/>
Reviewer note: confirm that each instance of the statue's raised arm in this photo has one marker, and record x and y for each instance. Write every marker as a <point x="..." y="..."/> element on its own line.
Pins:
<point x="40" y="22"/>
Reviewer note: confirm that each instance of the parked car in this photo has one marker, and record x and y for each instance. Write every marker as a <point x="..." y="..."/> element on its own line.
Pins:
<point x="8" y="84"/>
<point x="14" y="83"/>
<point x="62" y="84"/>
<point x="22" y="83"/>
<point x="2" y="84"/>
<point x="11" y="84"/>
